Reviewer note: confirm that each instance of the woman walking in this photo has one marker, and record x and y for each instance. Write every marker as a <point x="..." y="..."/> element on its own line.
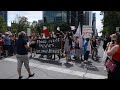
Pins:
<point x="22" y="55"/>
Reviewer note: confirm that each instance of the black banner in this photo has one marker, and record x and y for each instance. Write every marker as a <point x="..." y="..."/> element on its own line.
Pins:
<point x="48" y="46"/>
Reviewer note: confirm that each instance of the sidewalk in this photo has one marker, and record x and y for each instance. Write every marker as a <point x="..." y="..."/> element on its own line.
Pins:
<point x="42" y="70"/>
<point x="8" y="70"/>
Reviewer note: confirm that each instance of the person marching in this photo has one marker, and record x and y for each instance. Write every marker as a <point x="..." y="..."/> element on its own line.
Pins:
<point x="77" y="48"/>
<point x="67" y="47"/>
<point x="87" y="48"/>
<point x="1" y="45"/>
<point x="33" y="44"/>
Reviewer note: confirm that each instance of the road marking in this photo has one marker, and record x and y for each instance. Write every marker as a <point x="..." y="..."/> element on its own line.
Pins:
<point x="62" y="70"/>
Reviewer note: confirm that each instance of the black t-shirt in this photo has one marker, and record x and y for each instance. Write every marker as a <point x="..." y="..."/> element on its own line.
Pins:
<point x="20" y="45"/>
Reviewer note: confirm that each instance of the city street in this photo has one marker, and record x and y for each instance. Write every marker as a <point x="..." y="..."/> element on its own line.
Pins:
<point x="50" y="69"/>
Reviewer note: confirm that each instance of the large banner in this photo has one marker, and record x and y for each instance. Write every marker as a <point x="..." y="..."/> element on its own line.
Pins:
<point x="48" y="46"/>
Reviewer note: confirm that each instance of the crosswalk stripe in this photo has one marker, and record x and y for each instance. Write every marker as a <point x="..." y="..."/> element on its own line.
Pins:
<point x="62" y="70"/>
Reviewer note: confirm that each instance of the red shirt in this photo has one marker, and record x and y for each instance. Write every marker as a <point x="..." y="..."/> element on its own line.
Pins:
<point x="116" y="56"/>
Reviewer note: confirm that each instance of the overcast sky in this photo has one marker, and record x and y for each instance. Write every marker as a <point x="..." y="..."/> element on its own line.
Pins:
<point x="37" y="15"/>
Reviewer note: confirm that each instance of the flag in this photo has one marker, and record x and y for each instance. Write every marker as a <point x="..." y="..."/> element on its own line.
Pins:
<point x="58" y="28"/>
<point x="46" y="32"/>
<point x="79" y="35"/>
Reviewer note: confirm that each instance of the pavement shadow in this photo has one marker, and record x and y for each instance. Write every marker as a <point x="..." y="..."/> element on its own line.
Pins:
<point x="68" y="65"/>
<point x="79" y="61"/>
<point x="97" y="60"/>
<point x="82" y="65"/>
<point x="85" y="64"/>
<point x="50" y="61"/>
<point x="92" y="68"/>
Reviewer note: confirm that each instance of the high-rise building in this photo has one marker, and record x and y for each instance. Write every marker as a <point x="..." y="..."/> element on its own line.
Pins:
<point x="57" y="17"/>
<point x="74" y="17"/>
<point x="88" y="18"/>
<point x="70" y="17"/>
<point x="94" y="24"/>
<point x="4" y="15"/>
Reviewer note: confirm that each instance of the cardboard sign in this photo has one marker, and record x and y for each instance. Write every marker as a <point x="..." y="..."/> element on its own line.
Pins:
<point x="28" y="32"/>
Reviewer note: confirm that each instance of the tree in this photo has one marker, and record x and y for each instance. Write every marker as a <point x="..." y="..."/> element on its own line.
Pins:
<point x="3" y="25"/>
<point x="110" y="21"/>
<point x="64" y="27"/>
<point x="20" y="24"/>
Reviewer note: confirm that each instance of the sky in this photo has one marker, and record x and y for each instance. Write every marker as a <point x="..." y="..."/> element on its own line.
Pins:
<point x="37" y="15"/>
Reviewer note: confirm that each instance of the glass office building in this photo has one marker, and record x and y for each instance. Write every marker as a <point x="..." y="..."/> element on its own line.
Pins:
<point x="70" y="17"/>
<point x="57" y="17"/>
<point x="4" y="15"/>
<point x="87" y="18"/>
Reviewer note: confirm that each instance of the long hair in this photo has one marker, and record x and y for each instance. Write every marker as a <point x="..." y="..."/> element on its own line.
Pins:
<point x="118" y="38"/>
<point x="68" y="36"/>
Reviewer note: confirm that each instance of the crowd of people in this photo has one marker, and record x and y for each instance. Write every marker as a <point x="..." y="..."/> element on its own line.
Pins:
<point x="70" y="44"/>
<point x="72" y="47"/>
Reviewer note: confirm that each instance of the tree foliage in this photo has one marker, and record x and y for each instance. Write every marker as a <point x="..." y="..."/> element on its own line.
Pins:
<point x="21" y="24"/>
<point x="64" y="27"/>
<point x="110" y="21"/>
<point x="3" y="25"/>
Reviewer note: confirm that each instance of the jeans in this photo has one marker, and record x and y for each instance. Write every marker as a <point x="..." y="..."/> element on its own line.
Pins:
<point x="86" y="55"/>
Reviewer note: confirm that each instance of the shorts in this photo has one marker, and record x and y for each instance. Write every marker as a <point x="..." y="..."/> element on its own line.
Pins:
<point x="22" y="59"/>
<point x="33" y="45"/>
<point x="67" y="49"/>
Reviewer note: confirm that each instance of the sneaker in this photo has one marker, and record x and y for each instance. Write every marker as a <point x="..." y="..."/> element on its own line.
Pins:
<point x="20" y="77"/>
<point x="85" y="61"/>
<point x="32" y="75"/>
